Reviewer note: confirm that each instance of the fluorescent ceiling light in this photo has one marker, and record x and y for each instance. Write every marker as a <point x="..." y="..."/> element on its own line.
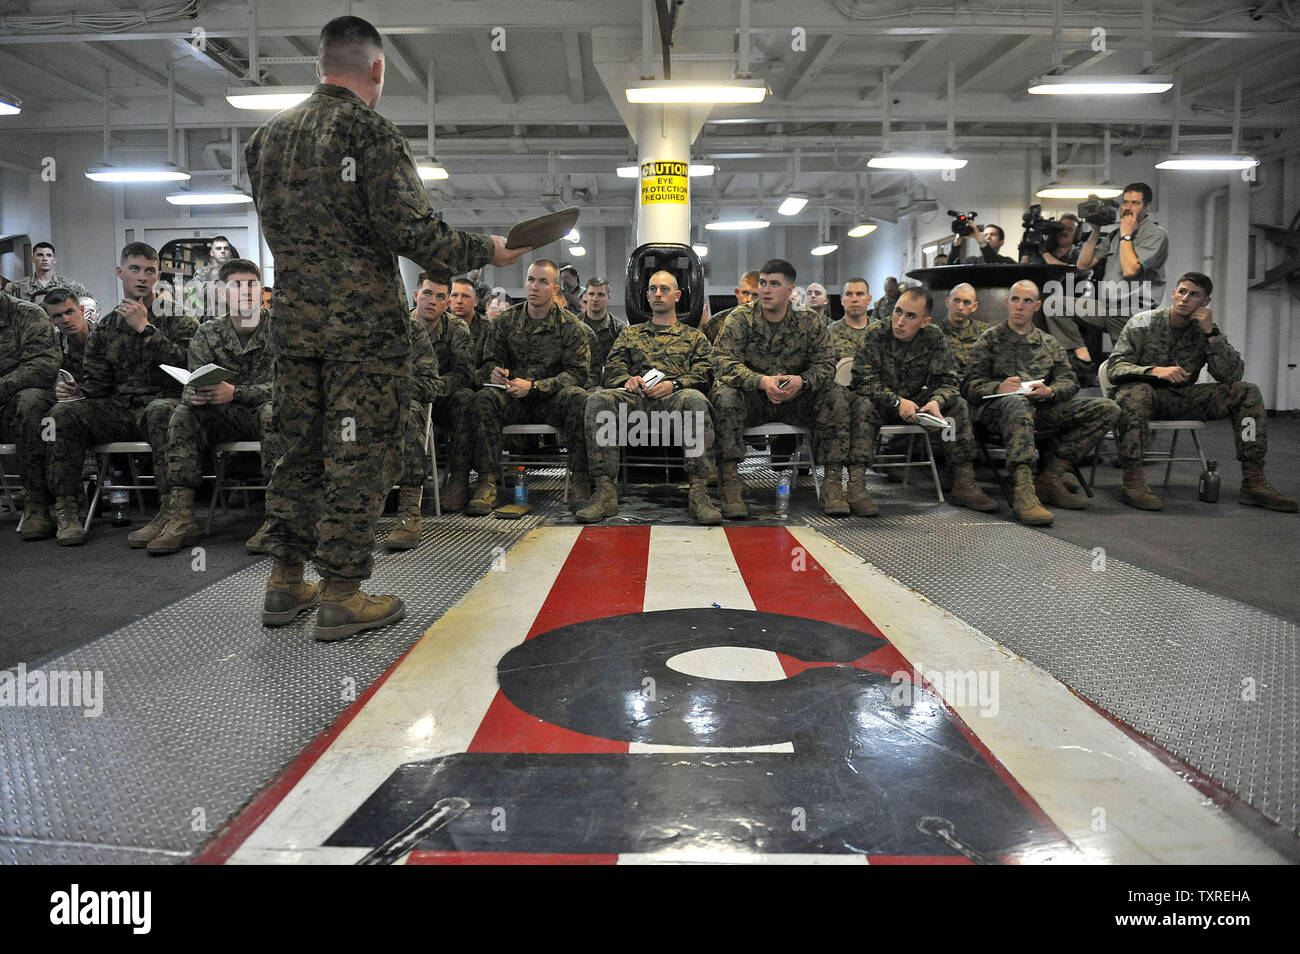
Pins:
<point x="824" y="249"/>
<point x="693" y="170"/>
<point x="866" y="228"/>
<point x="1207" y="163"/>
<point x="792" y="205"/>
<point x="736" y="225"/>
<point x="573" y="235"/>
<point x="1069" y="85"/>
<point x="1054" y="190"/>
<point x="430" y="168"/>
<point x="222" y="197"/>
<point x="700" y="250"/>
<point x="915" y="161"/>
<point x="671" y="91"/>
<point x="266" y="97"/>
<point x="160" y="172"/>
<point x="577" y="251"/>
<point x="10" y="105"/>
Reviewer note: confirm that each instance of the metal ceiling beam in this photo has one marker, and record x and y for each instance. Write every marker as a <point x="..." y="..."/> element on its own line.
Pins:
<point x="915" y="56"/>
<point x="493" y="63"/>
<point x="31" y="69"/>
<point x="1247" y="64"/>
<point x="573" y="60"/>
<point x="394" y="52"/>
<point x="801" y="83"/>
<point x="1008" y="53"/>
<point x="153" y="77"/>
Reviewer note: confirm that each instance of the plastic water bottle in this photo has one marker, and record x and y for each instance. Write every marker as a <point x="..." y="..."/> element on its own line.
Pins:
<point x="521" y="485"/>
<point x="118" y="499"/>
<point x="783" y="495"/>
<point x="1209" y="485"/>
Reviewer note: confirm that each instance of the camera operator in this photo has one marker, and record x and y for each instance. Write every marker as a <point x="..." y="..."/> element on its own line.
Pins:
<point x="1133" y="276"/>
<point x="990" y="239"/>
<point x="1061" y="323"/>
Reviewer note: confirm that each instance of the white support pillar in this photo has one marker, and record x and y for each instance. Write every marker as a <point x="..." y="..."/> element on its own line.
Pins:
<point x="663" y="141"/>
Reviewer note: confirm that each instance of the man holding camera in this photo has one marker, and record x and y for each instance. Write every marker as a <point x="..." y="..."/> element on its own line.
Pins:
<point x="991" y="239"/>
<point x="1061" y="322"/>
<point x="1133" y="276"/>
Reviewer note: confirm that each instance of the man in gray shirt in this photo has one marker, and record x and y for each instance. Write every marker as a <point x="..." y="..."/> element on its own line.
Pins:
<point x="1133" y="278"/>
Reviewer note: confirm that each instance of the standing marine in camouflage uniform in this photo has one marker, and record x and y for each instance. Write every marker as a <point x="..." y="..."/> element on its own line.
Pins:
<point x="960" y="327"/>
<point x="535" y="362"/>
<point x="774" y="362"/>
<point x="29" y="363"/>
<point x="339" y="199"/>
<point x="746" y="291"/>
<point x="129" y="398"/>
<point x="682" y="354"/>
<point x="44" y="277"/>
<point x="202" y="296"/>
<point x="1153" y="368"/>
<point x="211" y="414"/>
<point x="1008" y="356"/>
<point x="415" y="457"/>
<point x="902" y="369"/>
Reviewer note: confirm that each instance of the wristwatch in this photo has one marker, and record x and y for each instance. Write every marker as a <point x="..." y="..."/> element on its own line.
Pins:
<point x="1126" y="238"/>
<point x="1212" y="333"/>
<point x="239" y="394"/>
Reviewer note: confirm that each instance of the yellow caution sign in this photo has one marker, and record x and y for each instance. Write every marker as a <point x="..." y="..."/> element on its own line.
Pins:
<point x="664" y="182"/>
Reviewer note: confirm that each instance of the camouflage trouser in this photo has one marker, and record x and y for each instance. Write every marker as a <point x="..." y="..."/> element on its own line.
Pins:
<point x="1139" y="403"/>
<point x="687" y="422"/>
<point x="492" y="409"/>
<point x="192" y="430"/>
<point x="415" y="460"/>
<point x="958" y="441"/>
<point x="826" y="413"/>
<point x="338" y="429"/>
<point x="20" y="424"/>
<point x="82" y="424"/>
<point x="1082" y="422"/>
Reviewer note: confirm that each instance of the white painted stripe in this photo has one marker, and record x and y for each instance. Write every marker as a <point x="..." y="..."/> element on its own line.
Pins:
<point x="431" y="705"/>
<point x="1081" y="769"/>
<point x="695" y="856"/>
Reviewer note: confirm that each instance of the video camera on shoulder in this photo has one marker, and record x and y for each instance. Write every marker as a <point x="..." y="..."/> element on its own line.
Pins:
<point x="1039" y="232"/>
<point x="1098" y="212"/>
<point x="963" y="224"/>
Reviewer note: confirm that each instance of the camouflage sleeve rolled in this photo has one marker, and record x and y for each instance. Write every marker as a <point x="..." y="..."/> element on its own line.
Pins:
<point x="866" y="374"/>
<point x="1126" y="362"/>
<point x="575" y="357"/>
<point x="1224" y="362"/>
<point x="700" y="374"/>
<point x="404" y="220"/>
<point x="728" y="368"/>
<point x="820" y="372"/>
<point x="618" y="363"/>
<point x="170" y="344"/>
<point x="1062" y="380"/>
<point x="37" y="360"/>
<point x="459" y="372"/>
<point x="980" y="377"/>
<point x="424" y="365"/>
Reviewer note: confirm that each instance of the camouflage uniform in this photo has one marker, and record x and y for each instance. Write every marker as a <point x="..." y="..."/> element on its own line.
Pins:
<point x="713" y="326"/>
<point x="247" y="417"/>
<point x="682" y="354"/>
<point x="845" y="339"/>
<point x="921" y="370"/>
<point x="452" y="390"/>
<point x="128" y="397"/>
<point x="478" y="332"/>
<point x="1001" y="353"/>
<point x="28" y="288"/>
<point x="424" y="384"/>
<point x="593" y="343"/>
<point x="606" y="334"/>
<point x="339" y="199"/>
<point x="1150" y="341"/>
<point x="29" y="362"/>
<point x="884" y="310"/>
<point x="962" y="339"/>
<point x="750" y="347"/>
<point x="553" y="353"/>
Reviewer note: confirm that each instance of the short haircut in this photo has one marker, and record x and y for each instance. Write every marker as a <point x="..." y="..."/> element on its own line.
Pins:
<point x="57" y="296"/>
<point x="236" y="265"/>
<point x="1147" y="195"/>
<point x="221" y="238"/>
<point x="138" y="250"/>
<point x="566" y="267"/>
<point x="857" y="280"/>
<point x="549" y="264"/>
<point x="777" y="266"/>
<point x="1071" y="216"/>
<point x="465" y="281"/>
<point x="439" y="276"/>
<point x="750" y="277"/>
<point x="923" y="292"/>
<point x="1001" y="234"/>
<point x="1199" y="279"/>
<point x="40" y="245"/>
<point x="596" y="281"/>
<point x="348" y="46"/>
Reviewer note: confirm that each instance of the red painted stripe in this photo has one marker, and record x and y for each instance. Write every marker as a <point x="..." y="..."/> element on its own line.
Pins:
<point x="604" y="575"/>
<point x="505" y="858"/>
<point x="236" y="831"/>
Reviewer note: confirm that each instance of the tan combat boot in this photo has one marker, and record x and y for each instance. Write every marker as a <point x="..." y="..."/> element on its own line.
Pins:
<point x="1136" y="492"/>
<point x="1025" y="502"/>
<point x="485" y="495"/>
<point x="139" y="539"/>
<point x="1258" y="492"/>
<point x="1050" y="486"/>
<point x="287" y="595"/>
<point x="70" y="533"/>
<point x="579" y="489"/>
<point x="603" y="503"/>
<point x="36" y="521"/>
<point x="833" y="502"/>
<point x="733" y="492"/>
<point x="182" y="529"/>
<point x="966" y="493"/>
<point x="345" y="611"/>
<point x="456" y="493"/>
<point x="257" y="542"/>
<point x="700" y="505"/>
<point x="406" y="535"/>
<point x="860" y="501"/>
